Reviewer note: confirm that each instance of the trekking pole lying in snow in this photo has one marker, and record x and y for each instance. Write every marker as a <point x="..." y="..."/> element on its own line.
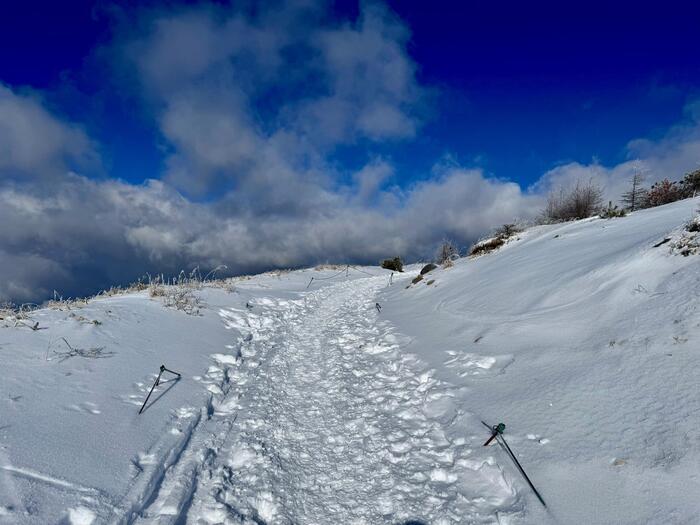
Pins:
<point x="157" y="382"/>
<point x="497" y="434"/>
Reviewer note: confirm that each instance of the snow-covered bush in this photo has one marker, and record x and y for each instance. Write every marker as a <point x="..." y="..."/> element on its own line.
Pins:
<point x="446" y="252"/>
<point x="687" y="242"/>
<point x="690" y="185"/>
<point x="182" y="299"/>
<point x="179" y="295"/>
<point x="612" y="212"/>
<point x="395" y="264"/>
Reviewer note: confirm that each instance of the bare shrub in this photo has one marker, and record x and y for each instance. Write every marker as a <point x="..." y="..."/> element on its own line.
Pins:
<point x="507" y="230"/>
<point x="663" y="192"/>
<point x="182" y="299"/>
<point x="447" y="251"/>
<point x="177" y="294"/>
<point x="97" y="352"/>
<point x="583" y="200"/>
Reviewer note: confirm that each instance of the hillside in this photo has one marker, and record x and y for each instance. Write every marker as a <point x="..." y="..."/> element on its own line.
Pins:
<point x="357" y="397"/>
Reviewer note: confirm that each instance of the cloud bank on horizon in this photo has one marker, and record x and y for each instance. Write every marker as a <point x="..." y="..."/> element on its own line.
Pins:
<point x="250" y="107"/>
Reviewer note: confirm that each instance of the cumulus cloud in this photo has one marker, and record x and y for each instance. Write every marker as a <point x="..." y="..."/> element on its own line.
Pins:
<point x="671" y="156"/>
<point x="249" y="99"/>
<point x="251" y="106"/>
<point x="33" y="143"/>
<point x="78" y="235"/>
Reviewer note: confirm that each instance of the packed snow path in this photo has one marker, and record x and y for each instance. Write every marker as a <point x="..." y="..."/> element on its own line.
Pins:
<point x="318" y="417"/>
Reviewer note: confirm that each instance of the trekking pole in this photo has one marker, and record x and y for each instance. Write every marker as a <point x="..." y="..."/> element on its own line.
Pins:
<point x="378" y="307"/>
<point x="497" y="432"/>
<point x="156" y="383"/>
<point x="498" y="429"/>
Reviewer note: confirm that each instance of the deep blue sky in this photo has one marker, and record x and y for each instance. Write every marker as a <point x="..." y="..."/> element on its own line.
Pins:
<point x="521" y="87"/>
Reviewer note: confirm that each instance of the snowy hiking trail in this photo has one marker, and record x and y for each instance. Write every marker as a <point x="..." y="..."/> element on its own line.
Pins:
<point x="317" y="416"/>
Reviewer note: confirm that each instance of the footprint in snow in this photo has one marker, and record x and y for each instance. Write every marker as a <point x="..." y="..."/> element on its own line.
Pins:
<point x="539" y="439"/>
<point x="466" y="364"/>
<point x="87" y="407"/>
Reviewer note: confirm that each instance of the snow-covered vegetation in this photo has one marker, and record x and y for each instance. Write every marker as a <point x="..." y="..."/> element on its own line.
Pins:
<point x="340" y="395"/>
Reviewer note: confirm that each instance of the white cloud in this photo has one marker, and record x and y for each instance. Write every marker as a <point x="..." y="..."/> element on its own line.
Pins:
<point x="32" y="142"/>
<point x="251" y="107"/>
<point x="672" y="156"/>
<point x="237" y="95"/>
<point x="77" y="235"/>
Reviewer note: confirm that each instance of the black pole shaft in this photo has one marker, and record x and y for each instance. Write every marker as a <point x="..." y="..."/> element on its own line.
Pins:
<point x="154" y="385"/>
<point x="522" y="471"/>
<point x="493" y="436"/>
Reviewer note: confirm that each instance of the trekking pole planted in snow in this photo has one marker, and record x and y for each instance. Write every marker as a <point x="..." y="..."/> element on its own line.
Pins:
<point x="312" y="280"/>
<point x="156" y="383"/>
<point x="497" y="432"/>
<point x="498" y="429"/>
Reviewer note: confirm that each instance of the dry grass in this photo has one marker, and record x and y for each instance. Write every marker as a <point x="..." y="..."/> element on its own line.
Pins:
<point x="486" y="246"/>
<point x="336" y="267"/>
<point x="499" y="237"/>
<point x="18" y="316"/>
<point x="97" y="352"/>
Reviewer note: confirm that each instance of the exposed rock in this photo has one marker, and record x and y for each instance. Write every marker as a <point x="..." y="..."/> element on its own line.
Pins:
<point x="428" y="268"/>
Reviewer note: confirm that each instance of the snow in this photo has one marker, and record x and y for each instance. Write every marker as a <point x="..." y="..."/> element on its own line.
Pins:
<point x="300" y="402"/>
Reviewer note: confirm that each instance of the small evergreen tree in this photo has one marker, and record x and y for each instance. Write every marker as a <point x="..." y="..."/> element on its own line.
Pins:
<point x="636" y="197"/>
<point x="583" y="200"/>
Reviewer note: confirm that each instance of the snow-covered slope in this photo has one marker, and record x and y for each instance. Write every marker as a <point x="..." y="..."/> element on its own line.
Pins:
<point x="305" y="402"/>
